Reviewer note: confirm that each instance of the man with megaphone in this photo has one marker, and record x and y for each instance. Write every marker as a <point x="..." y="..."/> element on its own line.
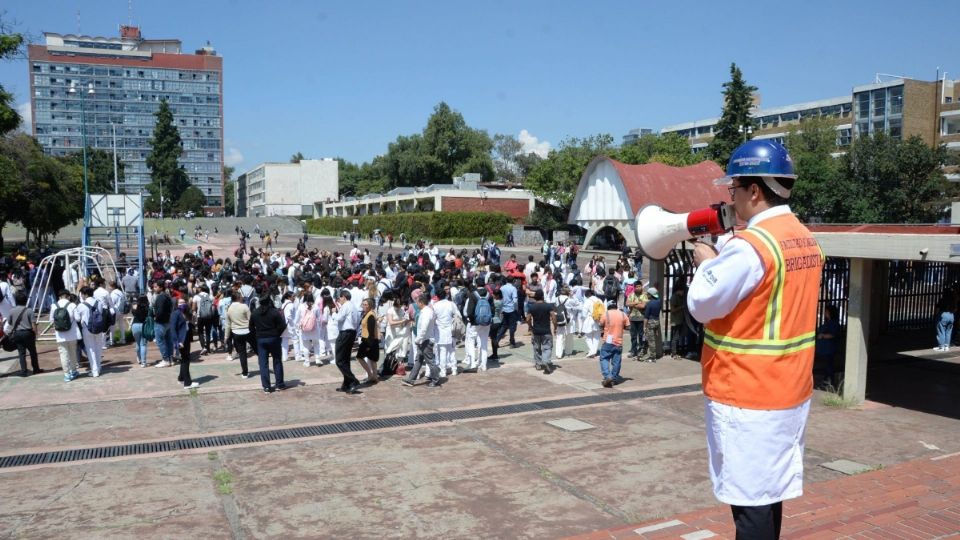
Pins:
<point x="757" y="298"/>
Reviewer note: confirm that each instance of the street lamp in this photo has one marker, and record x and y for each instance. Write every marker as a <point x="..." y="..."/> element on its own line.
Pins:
<point x="745" y="130"/>
<point x="83" y="140"/>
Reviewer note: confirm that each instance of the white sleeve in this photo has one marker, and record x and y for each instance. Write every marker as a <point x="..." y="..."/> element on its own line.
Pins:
<point x="723" y="282"/>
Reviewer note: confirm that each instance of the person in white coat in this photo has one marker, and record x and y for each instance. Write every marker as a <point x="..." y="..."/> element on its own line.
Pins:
<point x="311" y="339"/>
<point x="575" y="305"/>
<point x="92" y="343"/>
<point x="331" y="330"/>
<point x="291" y="334"/>
<point x="445" y="311"/>
<point x="67" y="339"/>
<point x="590" y="328"/>
<point x="564" y="337"/>
<point x="118" y="300"/>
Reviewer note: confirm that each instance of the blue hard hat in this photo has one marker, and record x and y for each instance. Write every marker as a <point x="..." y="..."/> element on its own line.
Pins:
<point x="758" y="158"/>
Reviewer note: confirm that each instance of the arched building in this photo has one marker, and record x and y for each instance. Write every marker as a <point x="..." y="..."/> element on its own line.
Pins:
<point x="611" y="193"/>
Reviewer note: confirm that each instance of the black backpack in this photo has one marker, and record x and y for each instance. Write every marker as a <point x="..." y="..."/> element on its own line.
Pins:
<point x="561" y="313"/>
<point x="611" y="288"/>
<point x="61" y="319"/>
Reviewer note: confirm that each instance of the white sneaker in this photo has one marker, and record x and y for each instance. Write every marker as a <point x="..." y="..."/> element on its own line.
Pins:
<point x="306" y="363"/>
<point x="192" y="385"/>
<point x="163" y="363"/>
<point x="229" y="358"/>
<point x="938" y="348"/>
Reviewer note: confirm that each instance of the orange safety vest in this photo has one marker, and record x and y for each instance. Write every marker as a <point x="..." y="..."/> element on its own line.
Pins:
<point x="760" y="356"/>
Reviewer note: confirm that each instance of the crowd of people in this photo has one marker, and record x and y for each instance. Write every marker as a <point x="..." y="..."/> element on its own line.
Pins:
<point x="414" y="309"/>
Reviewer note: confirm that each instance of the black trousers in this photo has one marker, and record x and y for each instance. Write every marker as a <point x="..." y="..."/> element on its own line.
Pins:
<point x="240" y="344"/>
<point x="758" y="522"/>
<point x="184" y="375"/>
<point x="26" y="341"/>
<point x="341" y="351"/>
<point x="205" y="328"/>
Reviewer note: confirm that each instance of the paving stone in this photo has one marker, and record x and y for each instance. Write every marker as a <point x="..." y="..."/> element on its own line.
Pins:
<point x="570" y="424"/>
<point x="846" y="466"/>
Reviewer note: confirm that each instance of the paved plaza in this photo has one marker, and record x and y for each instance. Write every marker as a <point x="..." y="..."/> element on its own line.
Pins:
<point x="509" y="453"/>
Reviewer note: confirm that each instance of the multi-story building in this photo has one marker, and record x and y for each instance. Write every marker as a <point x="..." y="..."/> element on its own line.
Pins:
<point x="287" y="189"/>
<point x="900" y="107"/>
<point x="117" y="85"/>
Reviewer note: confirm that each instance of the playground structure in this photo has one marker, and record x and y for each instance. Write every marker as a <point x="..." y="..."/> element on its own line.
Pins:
<point x="115" y="220"/>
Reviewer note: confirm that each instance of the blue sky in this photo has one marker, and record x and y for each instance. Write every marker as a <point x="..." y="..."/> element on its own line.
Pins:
<point x="346" y="78"/>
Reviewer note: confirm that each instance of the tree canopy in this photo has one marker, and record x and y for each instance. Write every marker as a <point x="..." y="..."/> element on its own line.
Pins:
<point x="737" y="100"/>
<point x="99" y="169"/>
<point x="557" y="177"/>
<point x="169" y="179"/>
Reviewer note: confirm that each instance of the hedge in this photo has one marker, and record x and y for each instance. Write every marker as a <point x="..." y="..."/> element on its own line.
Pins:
<point x="435" y="226"/>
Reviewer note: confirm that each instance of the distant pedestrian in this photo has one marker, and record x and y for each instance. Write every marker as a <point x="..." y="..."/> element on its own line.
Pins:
<point x="269" y="324"/>
<point x="21" y="325"/>
<point x="611" y="352"/>
<point x="542" y="321"/>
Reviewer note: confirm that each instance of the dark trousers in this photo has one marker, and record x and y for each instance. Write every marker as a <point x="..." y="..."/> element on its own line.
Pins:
<point x="269" y="346"/>
<point x="184" y="376"/>
<point x="205" y="329"/>
<point x="494" y="338"/>
<point x="758" y="522"/>
<point x="636" y="336"/>
<point x="509" y="324"/>
<point x="424" y="357"/>
<point x="240" y="344"/>
<point x="341" y="351"/>
<point x="26" y="341"/>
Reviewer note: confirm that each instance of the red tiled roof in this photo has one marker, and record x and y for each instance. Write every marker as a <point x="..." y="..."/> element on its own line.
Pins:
<point x="677" y="189"/>
<point x="883" y="228"/>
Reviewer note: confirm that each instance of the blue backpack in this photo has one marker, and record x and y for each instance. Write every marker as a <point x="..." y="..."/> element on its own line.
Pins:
<point x="99" y="319"/>
<point x="482" y="313"/>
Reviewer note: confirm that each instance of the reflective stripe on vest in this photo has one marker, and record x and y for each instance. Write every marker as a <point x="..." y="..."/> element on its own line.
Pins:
<point x="771" y="344"/>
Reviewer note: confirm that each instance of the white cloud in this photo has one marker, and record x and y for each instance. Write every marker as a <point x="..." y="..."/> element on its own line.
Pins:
<point x="232" y="157"/>
<point x="532" y="144"/>
<point x="26" y="113"/>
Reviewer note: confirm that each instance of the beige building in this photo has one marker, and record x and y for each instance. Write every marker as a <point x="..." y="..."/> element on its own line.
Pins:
<point x="287" y="189"/>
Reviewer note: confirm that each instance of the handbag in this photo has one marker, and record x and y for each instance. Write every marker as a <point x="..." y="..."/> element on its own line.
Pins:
<point x="6" y="342"/>
<point x="149" y="331"/>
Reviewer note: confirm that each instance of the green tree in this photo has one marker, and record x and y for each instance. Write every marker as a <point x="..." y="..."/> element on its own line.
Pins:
<point x="229" y="195"/>
<point x="506" y="149"/>
<point x="169" y="179"/>
<point x="556" y="178"/>
<point x="191" y="200"/>
<point x="297" y="158"/>
<point x="737" y="100"/>
<point x="99" y="168"/>
<point x="896" y="181"/>
<point x="670" y="149"/>
<point x="10" y="44"/>
<point x="821" y="191"/>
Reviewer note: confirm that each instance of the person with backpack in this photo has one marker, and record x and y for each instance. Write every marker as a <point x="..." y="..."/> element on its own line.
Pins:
<point x="310" y="326"/>
<point x="67" y="332"/>
<point x="21" y="327"/>
<point x="542" y="322"/>
<point x="611" y="287"/>
<point x="89" y="315"/>
<point x="163" y="307"/>
<point x="565" y="327"/>
<point x="479" y="313"/>
<point x="141" y="311"/>
<point x="205" y="314"/>
<point x="635" y="303"/>
<point x="651" y="327"/>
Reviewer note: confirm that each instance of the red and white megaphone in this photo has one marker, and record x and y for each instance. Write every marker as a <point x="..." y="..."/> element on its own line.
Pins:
<point x="659" y="230"/>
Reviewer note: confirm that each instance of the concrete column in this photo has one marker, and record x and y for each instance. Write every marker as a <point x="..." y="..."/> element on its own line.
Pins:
<point x="858" y="329"/>
<point x="657" y="270"/>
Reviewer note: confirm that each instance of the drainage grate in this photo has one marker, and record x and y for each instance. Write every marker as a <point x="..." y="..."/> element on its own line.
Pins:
<point x="357" y="426"/>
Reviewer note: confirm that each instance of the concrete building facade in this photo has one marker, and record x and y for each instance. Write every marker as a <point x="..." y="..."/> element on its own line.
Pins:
<point x="900" y="107"/>
<point x="117" y="85"/>
<point x="287" y="189"/>
<point x="463" y="195"/>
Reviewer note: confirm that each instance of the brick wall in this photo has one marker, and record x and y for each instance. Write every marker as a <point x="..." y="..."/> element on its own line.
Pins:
<point x="516" y="208"/>
<point x="920" y="110"/>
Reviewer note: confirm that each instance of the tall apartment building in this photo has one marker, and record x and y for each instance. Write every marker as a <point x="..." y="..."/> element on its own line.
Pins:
<point x="287" y="189"/>
<point x="129" y="76"/>
<point x="899" y="107"/>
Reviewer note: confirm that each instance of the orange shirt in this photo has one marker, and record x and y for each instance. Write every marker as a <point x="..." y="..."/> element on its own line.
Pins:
<point x="614" y="323"/>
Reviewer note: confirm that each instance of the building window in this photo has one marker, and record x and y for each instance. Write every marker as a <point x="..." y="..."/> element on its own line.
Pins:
<point x="896" y="129"/>
<point x="843" y="137"/>
<point x="863" y="105"/>
<point x="879" y="102"/>
<point x="896" y="100"/>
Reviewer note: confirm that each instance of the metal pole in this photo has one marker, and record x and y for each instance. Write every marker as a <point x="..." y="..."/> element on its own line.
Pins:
<point x="84" y="240"/>
<point x="116" y="174"/>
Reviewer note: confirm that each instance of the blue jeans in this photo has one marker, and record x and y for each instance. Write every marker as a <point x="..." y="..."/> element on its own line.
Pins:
<point x="164" y="339"/>
<point x="139" y="342"/>
<point x="945" y="328"/>
<point x="610" y="361"/>
<point x="266" y="347"/>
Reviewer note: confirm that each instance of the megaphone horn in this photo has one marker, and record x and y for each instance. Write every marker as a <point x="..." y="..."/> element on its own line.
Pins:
<point x="659" y="230"/>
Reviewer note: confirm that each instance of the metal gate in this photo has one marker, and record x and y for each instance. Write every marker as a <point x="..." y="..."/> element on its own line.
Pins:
<point x="914" y="289"/>
<point x="834" y="285"/>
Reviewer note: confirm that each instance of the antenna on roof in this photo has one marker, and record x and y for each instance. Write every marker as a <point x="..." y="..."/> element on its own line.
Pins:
<point x="79" y="33"/>
<point x="130" y="12"/>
